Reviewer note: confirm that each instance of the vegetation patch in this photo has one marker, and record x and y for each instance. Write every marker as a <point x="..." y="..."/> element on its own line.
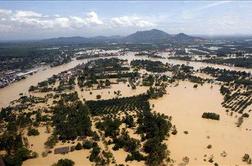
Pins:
<point x="211" y="115"/>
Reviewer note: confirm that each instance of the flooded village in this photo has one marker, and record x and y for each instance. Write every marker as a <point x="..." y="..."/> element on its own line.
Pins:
<point x="177" y="92"/>
<point x="125" y="83"/>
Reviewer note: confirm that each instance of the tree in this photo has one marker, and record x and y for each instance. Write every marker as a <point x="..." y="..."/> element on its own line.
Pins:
<point x="87" y="144"/>
<point x="17" y="158"/>
<point x="94" y="153"/>
<point x="246" y="157"/>
<point x="52" y="140"/>
<point x="78" y="146"/>
<point x="107" y="82"/>
<point x="239" y="121"/>
<point x="156" y="150"/>
<point x="129" y="121"/>
<point x="72" y="120"/>
<point x="211" y="115"/>
<point x="111" y="127"/>
<point x="64" y="162"/>
<point x="32" y="131"/>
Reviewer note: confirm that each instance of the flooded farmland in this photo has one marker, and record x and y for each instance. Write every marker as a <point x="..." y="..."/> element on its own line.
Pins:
<point x="12" y="91"/>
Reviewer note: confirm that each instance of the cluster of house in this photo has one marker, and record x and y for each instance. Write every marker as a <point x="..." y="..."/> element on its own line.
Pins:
<point x="9" y="77"/>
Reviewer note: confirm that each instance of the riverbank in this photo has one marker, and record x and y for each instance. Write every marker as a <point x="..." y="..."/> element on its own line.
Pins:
<point x="12" y="91"/>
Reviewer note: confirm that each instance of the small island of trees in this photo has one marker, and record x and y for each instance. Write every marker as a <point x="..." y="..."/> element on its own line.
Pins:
<point x="211" y="115"/>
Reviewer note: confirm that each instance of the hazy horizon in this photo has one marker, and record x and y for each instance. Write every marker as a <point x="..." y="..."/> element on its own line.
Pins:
<point x="27" y="20"/>
<point x="217" y="36"/>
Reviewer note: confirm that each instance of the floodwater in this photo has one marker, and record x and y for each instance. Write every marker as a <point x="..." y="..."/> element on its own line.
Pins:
<point x="125" y="91"/>
<point x="186" y="105"/>
<point x="79" y="158"/>
<point x="36" y="143"/>
<point x="12" y="91"/>
<point x="196" y="65"/>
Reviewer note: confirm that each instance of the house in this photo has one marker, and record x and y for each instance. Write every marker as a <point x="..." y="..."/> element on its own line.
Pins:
<point x="62" y="150"/>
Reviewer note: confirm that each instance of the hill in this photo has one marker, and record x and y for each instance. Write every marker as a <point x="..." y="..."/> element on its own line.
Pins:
<point x="153" y="36"/>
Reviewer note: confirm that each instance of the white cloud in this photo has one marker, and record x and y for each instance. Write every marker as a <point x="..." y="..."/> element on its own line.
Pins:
<point x="21" y="14"/>
<point x="4" y="12"/>
<point x="63" y="22"/>
<point x="128" y="21"/>
<point x="21" y="19"/>
<point x="38" y="20"/>
<point x="78" y="20"/>
<point x="92" y="18"/>
<point x="26" y="17"/>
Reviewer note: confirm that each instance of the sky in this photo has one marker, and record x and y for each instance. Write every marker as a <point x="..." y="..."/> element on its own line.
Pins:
<point x="21" y="20"/>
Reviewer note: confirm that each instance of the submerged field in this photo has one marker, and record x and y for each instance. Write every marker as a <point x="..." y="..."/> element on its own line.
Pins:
<point x="137" y="112"/>
<point x="186" y="104"/>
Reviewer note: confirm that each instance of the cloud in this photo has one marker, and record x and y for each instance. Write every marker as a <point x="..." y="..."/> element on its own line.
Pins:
<point x="22" y="14"/>
<point x="22" y="19"/>
<point x="38" y="20"/>
<point x="129" y="21"/>
<point x="78" y="21"/>
<point x="92" y="18"/>
<point x="4" y="12"/>
<point x="26" y="17"/>
<point x="63" y="22"/>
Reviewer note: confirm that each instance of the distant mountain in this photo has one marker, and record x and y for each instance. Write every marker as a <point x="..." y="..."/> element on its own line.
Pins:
<point x="158" y="36"/>
<point x="65" y="40"/>
<point x="181" y="37"/>
<point x="81" y="40"/>
<point x="148" y="36"/>
<point x="108" y="39"/>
